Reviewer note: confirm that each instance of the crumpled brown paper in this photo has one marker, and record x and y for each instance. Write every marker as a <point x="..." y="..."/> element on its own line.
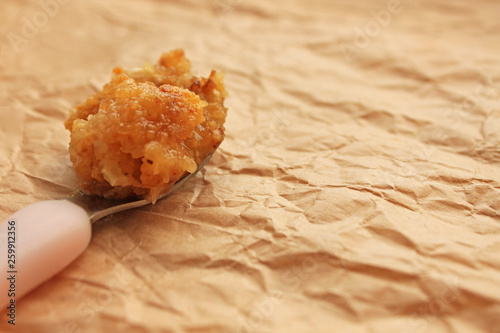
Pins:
<point x="357" y="190"/>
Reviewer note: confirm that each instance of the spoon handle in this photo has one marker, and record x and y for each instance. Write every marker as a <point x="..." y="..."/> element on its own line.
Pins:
<point x="36" y="243"/>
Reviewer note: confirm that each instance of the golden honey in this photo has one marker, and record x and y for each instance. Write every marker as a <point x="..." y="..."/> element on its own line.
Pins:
<point x="146" y="128"/>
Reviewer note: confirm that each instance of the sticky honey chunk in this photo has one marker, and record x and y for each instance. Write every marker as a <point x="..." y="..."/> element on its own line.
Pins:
<point x="146" y="128"/>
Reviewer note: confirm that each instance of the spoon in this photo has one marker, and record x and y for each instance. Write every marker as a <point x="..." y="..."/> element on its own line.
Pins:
<point x="41" y="239"/>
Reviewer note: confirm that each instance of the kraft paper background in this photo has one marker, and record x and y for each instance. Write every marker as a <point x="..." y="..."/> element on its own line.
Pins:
<point x="357" y="190"/>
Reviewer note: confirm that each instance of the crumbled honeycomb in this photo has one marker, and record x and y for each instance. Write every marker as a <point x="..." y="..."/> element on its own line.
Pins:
<point x="146" y="128"/>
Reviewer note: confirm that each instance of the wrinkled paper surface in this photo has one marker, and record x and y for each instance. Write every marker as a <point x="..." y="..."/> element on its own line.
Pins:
<point x="357" y="189"/>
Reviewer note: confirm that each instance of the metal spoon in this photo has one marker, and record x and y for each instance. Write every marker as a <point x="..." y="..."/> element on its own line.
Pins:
<point x="41" y="239"/>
